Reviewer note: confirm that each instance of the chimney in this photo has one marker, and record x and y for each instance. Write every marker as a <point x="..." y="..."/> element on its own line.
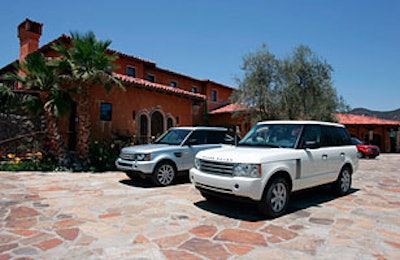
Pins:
<point x="29" y="33"/>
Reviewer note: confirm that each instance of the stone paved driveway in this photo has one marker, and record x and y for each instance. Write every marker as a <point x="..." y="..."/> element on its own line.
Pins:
<point x="107" y="216"/>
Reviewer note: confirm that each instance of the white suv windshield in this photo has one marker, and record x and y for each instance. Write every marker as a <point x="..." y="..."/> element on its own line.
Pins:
<point x="173" y="137"/>
<point x="272" y="135"/>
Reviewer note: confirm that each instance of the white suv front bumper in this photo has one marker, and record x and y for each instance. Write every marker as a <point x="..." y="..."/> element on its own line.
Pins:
<point x="239" y="186"/>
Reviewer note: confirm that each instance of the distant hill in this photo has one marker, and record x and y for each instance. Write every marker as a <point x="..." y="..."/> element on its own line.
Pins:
<point x="389" y="115"/>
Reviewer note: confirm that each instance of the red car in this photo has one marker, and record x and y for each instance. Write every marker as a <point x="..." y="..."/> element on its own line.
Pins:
<point x="365" y="150"/>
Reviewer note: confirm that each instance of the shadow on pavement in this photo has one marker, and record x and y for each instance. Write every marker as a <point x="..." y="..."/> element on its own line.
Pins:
<point x="246" y="211"/>
<point x="147" y="183"/>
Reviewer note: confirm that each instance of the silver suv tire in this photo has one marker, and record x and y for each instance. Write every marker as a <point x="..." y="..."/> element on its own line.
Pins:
<point x="164" y="174"/>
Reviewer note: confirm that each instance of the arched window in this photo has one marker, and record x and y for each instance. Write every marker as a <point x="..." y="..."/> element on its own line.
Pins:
<point x="143" y="126"/>
<point x="170" y="122"/>
<point x="157" y="124"/>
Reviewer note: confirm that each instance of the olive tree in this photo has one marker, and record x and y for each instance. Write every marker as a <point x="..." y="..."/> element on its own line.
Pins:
<point x="259" y="88"/>
<point x="308" y="87"/>
<point x="299" y="86"/>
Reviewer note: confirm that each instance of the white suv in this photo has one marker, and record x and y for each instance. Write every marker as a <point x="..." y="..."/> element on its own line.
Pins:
<point x="276" y="158"/>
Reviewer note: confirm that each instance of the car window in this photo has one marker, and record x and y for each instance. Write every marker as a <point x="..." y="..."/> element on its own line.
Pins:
<point x="216" y="137"/>
<point x="173" y="137"/>
<point x="355" y="141"/>
<point x="344" y="136"/>
<point x="207" y="137"/>
<point x="273" y="135"/>
<point x="334" y="136"/>
<point x="311" y="135"/>
<point x="198" y="137"/>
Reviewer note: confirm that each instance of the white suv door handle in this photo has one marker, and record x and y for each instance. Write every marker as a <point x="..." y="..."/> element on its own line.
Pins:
<point x="342" y="154"/>
<point x="324" y="156"/>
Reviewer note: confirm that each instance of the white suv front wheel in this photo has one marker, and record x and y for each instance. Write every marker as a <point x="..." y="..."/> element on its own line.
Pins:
<point x="275" y="198"/>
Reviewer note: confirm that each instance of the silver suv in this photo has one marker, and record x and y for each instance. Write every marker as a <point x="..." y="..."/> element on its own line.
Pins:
<point x="276" y="158"/>
<point x="172" y="153"/>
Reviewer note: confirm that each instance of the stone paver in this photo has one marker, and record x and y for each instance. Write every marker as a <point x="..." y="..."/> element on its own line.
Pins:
<point x="107" y="216"/>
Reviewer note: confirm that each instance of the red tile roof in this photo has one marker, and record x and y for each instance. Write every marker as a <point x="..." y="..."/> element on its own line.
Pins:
<point x="141" y="83"/>
<point x="67" y="39"/>
<point x="235" y="107"/>
<point x="350" y="119"/>
<point x="137" y="82"/>
<point x="345" y="119"/>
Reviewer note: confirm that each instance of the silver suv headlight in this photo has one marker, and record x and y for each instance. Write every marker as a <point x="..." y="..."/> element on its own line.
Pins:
<point x="247" y="170"/>
<point x="143" y="156"/>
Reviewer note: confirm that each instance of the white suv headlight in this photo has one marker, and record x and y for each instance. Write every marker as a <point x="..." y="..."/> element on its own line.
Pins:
<point x="247" y="170"/>
<point x="143" y="157"/>
<point x="197" y="163"/>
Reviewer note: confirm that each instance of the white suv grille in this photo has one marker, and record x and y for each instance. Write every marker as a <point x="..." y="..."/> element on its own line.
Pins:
<point x="220" y="168"/>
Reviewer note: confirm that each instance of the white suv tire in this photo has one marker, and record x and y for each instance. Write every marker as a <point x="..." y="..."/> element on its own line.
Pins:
<point x="275" y="198"/>
<point x="342" y="185"/>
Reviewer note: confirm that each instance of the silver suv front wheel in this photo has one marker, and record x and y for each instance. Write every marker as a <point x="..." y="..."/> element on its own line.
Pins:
<point x="164" y="174"/>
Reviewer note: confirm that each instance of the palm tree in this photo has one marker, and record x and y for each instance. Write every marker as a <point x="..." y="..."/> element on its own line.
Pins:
<point x="84" y="65"/>
<point x="39" y="77"/>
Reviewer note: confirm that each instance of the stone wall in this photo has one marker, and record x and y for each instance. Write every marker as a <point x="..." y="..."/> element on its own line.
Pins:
<point x="20" y="134"/>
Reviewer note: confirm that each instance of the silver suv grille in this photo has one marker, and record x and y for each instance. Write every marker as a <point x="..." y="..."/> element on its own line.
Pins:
<point x="127" y="156"/>
<point x="220" y="168"/>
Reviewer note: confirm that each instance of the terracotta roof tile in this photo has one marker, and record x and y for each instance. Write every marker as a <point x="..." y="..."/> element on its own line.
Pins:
<point x="141" y="83"/>
<point x="350" y="119"/>
<point x="235" y="107"/>
<point x="67" y="39"/>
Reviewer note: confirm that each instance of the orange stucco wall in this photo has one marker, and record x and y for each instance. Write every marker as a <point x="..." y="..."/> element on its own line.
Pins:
<point x="128" y="105"/>
<point x="377" y="135"/>
<point x="228" y="120"/>
<point x="165" y="77"/>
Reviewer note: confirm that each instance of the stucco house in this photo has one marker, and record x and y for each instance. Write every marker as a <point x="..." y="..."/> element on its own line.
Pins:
<point x="154" y="98"/>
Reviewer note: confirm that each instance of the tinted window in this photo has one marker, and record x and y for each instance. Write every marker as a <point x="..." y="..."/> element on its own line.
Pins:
<point x="216" y="137"/>
<point x="334" y="136"/>
<point x="345" y="138"/>
<point x="198" y="137"/>
<point x="311" y="133"/>
<point x="207" y="137"/>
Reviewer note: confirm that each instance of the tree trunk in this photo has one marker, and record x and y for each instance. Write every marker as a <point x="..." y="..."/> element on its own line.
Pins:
<point x="83" y="131"/>
<point x="56" y="139"/>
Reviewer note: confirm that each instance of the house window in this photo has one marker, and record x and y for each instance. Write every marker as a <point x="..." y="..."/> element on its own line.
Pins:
<point x="213" y="95"/>
<point x="105" y="111"/>
<point x="173" y="84"/>
<point x="151" y="78"/>
<point x="193" y="89"/>
<point x="157" y="124"/>
<point x="170" y="122"/>
<point x="143" y="138"/>
<point x="131" y="71"/>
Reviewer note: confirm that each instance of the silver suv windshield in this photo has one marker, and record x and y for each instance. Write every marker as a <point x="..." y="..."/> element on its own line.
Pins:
<point x="173" y="137"/>
<point x="272" y="135"/>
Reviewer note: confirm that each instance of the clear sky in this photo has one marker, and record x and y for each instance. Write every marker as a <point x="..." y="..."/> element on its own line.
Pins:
<point x="207" y="39"/>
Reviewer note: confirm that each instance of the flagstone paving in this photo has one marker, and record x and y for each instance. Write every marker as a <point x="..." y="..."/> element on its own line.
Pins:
<point x="107" y="216"/>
